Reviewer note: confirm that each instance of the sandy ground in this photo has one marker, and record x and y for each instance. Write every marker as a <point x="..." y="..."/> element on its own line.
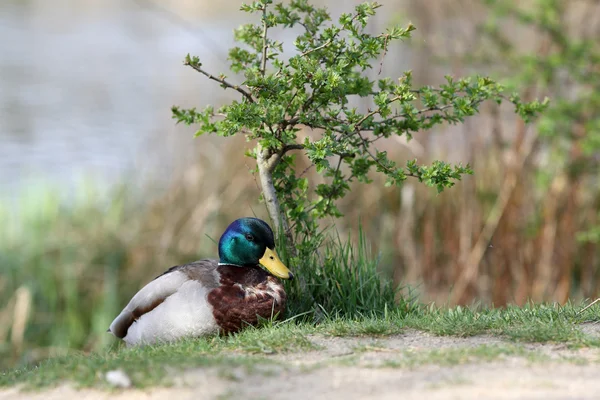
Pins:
<point x="367" y="368"/>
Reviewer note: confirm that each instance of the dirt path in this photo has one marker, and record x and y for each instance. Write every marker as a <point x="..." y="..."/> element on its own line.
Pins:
<point x="413" y="365"/>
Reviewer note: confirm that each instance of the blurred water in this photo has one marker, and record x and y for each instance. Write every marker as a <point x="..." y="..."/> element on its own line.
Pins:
<point x="86" y="87"/>
<point x="87" y="90"/>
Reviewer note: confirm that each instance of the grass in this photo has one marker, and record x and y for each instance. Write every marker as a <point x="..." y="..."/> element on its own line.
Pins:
<point x="341" y="280"/>
<point x="531" y="323"/>
<point x="251" y="349"/>
<point x="151" y="365"/>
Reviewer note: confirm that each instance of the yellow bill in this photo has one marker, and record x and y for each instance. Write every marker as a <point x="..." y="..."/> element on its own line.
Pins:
<point x="273" y="264"/>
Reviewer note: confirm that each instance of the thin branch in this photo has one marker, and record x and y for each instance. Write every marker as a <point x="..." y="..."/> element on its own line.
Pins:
<point x="379" y="138"/>
<point x="365" y="144"/>
<point x="419" y="112"/>
<point x="309" y="101"/>
<point x="372" y="113"/>
<point x="222" y="81"/>
<point x="387" y="36"/>
<point x="306" y="170"/>
<point x="253" y="172"/>
<point x="273" y="132"/>
<point x="313" y="126"/>
<point x="275" y="158"/>
<point x="305" y="27"/>
<point x="292" y="147"/>
<point x="364" y="118"/>
<point x="296" y="120"/>
<point x="265" y="45"/>
<point x="327" y="43"/>
<point x="287" y="107"/>
<point x="337" y="170"/>
<point x="442" y="108"/>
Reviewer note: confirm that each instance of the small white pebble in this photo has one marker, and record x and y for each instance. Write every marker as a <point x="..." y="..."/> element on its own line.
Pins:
<point x="118" y="378"/>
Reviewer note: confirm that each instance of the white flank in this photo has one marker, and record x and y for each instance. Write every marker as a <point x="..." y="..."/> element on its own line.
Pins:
<point x="186" y="313"/>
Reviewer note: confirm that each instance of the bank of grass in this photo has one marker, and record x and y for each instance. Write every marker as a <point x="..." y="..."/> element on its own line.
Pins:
<point x="154" y="365"/>
<point x="533" y="323"/>
<point x="251" y="349"/>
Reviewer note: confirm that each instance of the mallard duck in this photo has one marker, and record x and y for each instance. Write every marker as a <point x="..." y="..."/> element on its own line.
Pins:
<point x="208" y="296"/>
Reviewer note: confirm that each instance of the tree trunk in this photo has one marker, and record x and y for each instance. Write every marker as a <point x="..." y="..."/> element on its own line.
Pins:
<point x="266" y="165"/>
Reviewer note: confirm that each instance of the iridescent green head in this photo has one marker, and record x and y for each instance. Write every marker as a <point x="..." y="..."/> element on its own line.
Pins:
<point x="249" y="242"/>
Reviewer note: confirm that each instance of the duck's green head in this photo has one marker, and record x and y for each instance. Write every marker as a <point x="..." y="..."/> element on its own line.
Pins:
<point x="250" y="241"/>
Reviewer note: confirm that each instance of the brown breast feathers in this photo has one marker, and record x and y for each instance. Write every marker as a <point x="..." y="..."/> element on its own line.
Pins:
<point x="245" y="294"/>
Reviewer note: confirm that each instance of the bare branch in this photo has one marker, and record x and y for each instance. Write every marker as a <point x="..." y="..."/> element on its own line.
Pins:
<point x="287" y="108"/>
<point x="293" y="147"/>
<point x="265" y="45"/>
<point x="306" y="170"/>
<point x="419" y="112"/>
<point x="365" y="144"/>
<point x="222" y="81"/>
<point x="387" y="36"/>
<point x="436" y="108"/>
<point x="364" y="118"/>
<point x="372" y="113"/>
<point x="275" y="158"/>
<point x="327" y="43"/>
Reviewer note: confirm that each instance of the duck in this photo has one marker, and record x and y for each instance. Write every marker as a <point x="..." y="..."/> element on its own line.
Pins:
<point x="208" y="296"/>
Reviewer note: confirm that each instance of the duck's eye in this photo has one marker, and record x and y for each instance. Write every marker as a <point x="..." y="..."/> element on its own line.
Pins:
<point x="249" y="237"/>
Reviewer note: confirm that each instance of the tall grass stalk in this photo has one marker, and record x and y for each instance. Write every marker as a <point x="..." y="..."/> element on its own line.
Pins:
<point x="341" y="278"/>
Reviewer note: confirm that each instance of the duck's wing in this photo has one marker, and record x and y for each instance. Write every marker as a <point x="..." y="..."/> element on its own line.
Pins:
<point x="163" y="286"/>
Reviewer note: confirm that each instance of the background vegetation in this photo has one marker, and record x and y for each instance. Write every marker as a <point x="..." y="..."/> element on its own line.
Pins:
<point x="525" y="226"/>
